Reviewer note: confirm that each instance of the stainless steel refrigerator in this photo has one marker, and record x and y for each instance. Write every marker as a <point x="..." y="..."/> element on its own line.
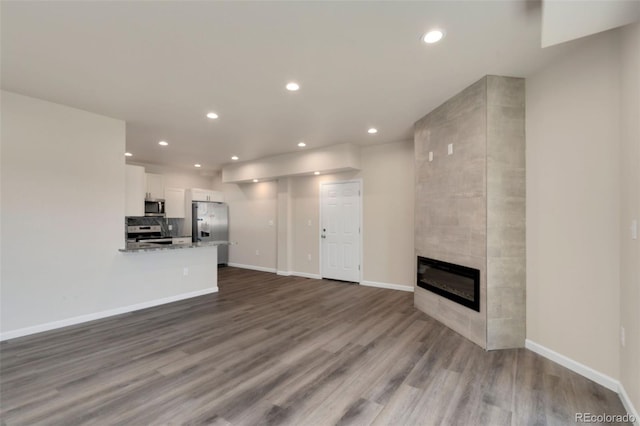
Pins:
<point x="210" y="222"/>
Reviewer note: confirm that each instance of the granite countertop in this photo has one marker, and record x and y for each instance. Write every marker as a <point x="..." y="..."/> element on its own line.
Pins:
<point x="177" y="246"/>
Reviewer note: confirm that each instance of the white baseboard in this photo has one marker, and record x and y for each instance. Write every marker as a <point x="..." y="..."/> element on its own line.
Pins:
<point x="588" y="372"/>
<point x="628" y="405"/>
<point x="306" y="275"/>
<point x="583" y="370"/>
<point x="103" y="314"/>
<point x="387" y="285"/>
<point x="318" y="277"/>
<point x="281" y="273"/>
<point x="252" y="267"/>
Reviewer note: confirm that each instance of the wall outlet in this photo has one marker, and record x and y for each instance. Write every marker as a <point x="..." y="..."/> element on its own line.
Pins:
<point x="309" y="222"/>
<point x="257" y="252"/>
<point x="623" y="337"/>
<point x="309" y="257"/>
<point x="170" y="227"/>
<point x="450" y="149"/>
<point x="185" y="271"/>
<point x="634" y="229"/>
<point x="430" y="155"/>
<point x="271" y="222"/>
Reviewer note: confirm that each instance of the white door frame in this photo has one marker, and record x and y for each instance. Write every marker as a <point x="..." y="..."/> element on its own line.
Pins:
<point x="360" y="182"/>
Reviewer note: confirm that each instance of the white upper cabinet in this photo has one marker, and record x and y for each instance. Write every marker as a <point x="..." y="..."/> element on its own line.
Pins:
<point x="205" y="195"/>
<point x="155" y="186"/>
<point x="174" y="203"/>
<point x="134" y="190"/>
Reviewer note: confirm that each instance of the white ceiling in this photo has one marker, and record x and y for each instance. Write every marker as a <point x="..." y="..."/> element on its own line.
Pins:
<point x="161" y="66"/>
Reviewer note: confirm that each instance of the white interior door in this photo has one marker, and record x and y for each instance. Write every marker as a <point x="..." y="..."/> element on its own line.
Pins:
<point x="340" y="231"/>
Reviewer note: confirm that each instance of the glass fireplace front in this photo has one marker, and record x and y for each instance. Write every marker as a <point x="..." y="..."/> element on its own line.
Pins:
<point x="458" y="283"/>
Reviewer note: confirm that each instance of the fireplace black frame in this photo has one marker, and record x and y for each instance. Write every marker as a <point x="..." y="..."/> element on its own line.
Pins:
<point x="464" y="271"/>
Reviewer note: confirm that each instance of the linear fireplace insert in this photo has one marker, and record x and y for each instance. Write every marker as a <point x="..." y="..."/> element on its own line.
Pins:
<point x="455" y="282"/>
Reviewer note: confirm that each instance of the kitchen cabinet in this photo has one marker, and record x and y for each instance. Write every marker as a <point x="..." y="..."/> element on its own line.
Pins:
<point x="206" y="195"/>
<point x="174" y="204"/>
<point x="155" y="186"/>
<point x="134" y="190"/>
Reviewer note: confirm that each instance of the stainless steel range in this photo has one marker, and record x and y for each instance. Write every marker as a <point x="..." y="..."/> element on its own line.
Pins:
<point x="146" y="236"/>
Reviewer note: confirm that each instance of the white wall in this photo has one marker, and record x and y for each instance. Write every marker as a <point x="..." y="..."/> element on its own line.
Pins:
<point x="305" y="196"/>
<point x="387" y="205"/>
<point x="252" y="222"/>
<point x="63" y="221"/>
<point x="573" y="205"/>
<point x="568" y="20"/>
<point x="284" y="238"/>
<point x="340" y="157"/>
<point x="388" y="253"/>
<point x="630" y="209"/>
<point x="178" y="178"/>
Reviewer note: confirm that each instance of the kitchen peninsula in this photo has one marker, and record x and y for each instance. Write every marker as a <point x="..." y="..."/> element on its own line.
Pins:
<point x="176" y="246"/>
<point x="159" y="259"/>
<point x="71" y="270"/>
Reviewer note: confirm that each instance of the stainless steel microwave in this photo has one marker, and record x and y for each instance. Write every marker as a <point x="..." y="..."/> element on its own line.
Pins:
<point x="154" y="207"/>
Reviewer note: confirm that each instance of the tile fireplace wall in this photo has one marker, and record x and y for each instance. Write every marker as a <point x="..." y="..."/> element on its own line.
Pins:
<point x="470" y="206"/>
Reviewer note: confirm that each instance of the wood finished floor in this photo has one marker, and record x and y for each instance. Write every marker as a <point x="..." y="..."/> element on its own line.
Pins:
<point x="280" y="350"/>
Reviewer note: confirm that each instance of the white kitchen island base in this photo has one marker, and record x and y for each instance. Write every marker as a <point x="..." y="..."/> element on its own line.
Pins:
<point x="141" y="279"/>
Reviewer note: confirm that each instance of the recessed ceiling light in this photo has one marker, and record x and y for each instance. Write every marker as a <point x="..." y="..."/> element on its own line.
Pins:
<point x="292" y="86"/>
<point x="302" y="144"/>
<point x="212" y="115"/>
<point x="197" y="165"/>
<point x="255" y="181"/>
<point x="372" y="131"/>
<point x="235" y="158"/>
<point x="163" y="143"/>
<point x="316" y="173"/>
<point x="433" y="36"/>
<point x="128" y="154"/>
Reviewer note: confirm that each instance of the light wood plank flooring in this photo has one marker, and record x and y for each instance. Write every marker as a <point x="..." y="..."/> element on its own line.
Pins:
<point x="280" y="350"/>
